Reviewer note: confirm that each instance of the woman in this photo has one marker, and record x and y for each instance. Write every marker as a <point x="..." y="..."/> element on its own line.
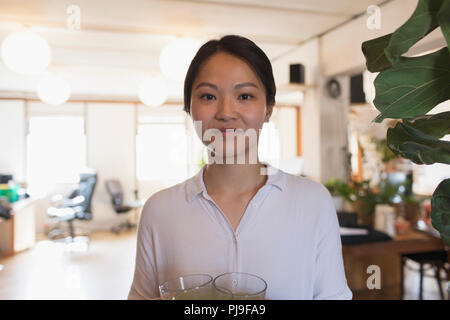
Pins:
<point x="239" y="215"/>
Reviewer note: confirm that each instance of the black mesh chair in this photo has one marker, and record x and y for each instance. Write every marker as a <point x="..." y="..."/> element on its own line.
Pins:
<point x="115" y="190"/>
<point x="77" y="206"/>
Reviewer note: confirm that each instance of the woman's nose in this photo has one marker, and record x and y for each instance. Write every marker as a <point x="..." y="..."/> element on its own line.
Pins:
<point x="226" y="109"/>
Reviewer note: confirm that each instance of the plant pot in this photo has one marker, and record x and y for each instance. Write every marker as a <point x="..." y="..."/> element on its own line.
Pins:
<point x="364" y="211"/>
<point x="412" y="212"/>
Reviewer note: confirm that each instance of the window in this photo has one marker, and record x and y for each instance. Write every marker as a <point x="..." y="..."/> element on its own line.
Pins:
<point x="56" y="151"/>
<point x="269" y="148"/>
<point x="161" y="151"/>
<point x="162" y="145"/>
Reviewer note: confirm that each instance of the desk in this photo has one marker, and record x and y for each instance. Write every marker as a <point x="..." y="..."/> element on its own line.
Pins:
<point x="19" y="232"/>
<point x="386" y="255"/>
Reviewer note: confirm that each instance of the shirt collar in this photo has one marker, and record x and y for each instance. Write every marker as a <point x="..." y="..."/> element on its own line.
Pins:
<point x="195" y="185"/>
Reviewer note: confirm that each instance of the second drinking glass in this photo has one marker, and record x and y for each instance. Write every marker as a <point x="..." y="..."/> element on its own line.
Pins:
<point x="239" y="286"/>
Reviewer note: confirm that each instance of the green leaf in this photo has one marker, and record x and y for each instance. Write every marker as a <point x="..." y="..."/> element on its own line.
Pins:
<point x="440" y="210"/>
<point x="436" y="125"/>
<point x="413" y="86"/>
<point x="373" y="50"/>
<point x="444" y="20"/>
<point x="420" y="148"/>
<point x="382" y="52"/>
<point x="422" y="22"/>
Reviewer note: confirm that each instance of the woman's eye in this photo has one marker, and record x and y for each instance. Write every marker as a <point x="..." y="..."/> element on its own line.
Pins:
<point x="246" y="96"/>
<point x="207" y="96"/>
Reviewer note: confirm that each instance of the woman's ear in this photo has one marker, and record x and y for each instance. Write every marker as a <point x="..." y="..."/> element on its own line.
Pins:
<point x="268" y="113"/>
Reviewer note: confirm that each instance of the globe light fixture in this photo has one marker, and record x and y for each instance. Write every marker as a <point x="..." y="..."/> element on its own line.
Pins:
<point x="175" y="58"/>
<point x="53" y="90"/>
<point x="25" y="52"/>
<point x="153" y="92"/>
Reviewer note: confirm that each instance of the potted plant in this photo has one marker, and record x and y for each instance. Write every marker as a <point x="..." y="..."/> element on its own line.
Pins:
<point x="340" y="192"/>
<point x="411" y="207"/>
<point x="365" y="200"/>
<point x="359" y="194"/>
<point x="407" y="88"/>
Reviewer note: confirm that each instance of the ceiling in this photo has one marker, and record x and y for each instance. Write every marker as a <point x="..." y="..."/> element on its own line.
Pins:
<point x="120" y="36"/>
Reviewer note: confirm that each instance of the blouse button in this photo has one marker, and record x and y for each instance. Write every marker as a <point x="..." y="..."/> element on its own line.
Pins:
<point x="254" y="206"/>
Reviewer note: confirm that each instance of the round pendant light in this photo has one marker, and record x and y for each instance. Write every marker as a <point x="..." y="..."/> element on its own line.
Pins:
<point x="53" y="90"/>
<point x="25" y="52"/>
<point x="176" y="57"/>
<point x="153" y="92"/>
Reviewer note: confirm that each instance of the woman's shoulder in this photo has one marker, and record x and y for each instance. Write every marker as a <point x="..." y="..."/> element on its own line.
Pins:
<point x="311" y="198"/>
<point x="162" y="200"/>
<point x="305" y="185"/>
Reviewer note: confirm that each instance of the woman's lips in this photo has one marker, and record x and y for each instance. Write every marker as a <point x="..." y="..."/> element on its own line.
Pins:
<point x="227" y="131"/>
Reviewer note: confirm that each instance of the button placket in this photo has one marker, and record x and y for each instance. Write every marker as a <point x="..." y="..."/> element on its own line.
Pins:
<point x="249" y="211"/>
<point x="224" y="218"/>
<point x="234" y="249"/>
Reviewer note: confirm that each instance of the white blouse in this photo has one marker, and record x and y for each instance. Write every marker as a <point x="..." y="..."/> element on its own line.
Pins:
<point x="288" y="235"/>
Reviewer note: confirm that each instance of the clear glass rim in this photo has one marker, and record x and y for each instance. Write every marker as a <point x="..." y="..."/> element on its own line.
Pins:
<point x="187" y="276"/>
<point x="224" y="290"/>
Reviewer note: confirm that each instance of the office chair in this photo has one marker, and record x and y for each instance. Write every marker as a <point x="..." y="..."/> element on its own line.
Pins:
<point x="76" y="206"/>
<point x="115" y="190"/>
<point x="433" y="259"/>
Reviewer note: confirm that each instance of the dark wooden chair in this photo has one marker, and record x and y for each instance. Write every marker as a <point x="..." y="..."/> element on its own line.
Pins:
<point x="437" y="260"/>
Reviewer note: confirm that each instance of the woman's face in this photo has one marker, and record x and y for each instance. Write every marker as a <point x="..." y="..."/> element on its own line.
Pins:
<point x="227" y="93"/>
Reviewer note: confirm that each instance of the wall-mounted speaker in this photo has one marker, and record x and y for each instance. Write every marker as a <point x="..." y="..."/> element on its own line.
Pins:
<point x="297" y="73"/>
<point x="357" y="94"/>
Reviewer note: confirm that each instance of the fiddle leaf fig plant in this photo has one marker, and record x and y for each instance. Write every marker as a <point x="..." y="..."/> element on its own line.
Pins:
<point x="422" y="82"/>
<point x="420" y="148"/>
<point x="408" y="88"/>
<point x="440" y="208"/>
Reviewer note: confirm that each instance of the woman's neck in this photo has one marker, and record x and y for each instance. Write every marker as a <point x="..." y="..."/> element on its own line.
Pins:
<point x="233" y="179"/>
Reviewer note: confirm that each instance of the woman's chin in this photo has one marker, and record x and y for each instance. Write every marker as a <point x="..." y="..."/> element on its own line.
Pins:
<point x="230" y="157"/>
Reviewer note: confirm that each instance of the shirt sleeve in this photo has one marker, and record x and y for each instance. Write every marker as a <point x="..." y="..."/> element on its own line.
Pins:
<point x="329" y="282"/>
<point x="145" y="281"/>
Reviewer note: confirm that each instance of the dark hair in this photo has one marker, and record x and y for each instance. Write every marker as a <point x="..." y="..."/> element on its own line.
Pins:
<point x="240" y="47"/>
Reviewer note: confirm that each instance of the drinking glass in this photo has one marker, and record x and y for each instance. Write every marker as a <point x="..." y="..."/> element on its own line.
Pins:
<point x="240" y="286"/>
<point x="188" y="287"/>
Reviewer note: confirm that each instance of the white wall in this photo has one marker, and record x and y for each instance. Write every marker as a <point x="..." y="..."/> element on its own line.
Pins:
<point x="111" y="150"/>
<point x="333" y="131"/>
<point x="12" y="138"/>
<point x="323" y="124"/>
